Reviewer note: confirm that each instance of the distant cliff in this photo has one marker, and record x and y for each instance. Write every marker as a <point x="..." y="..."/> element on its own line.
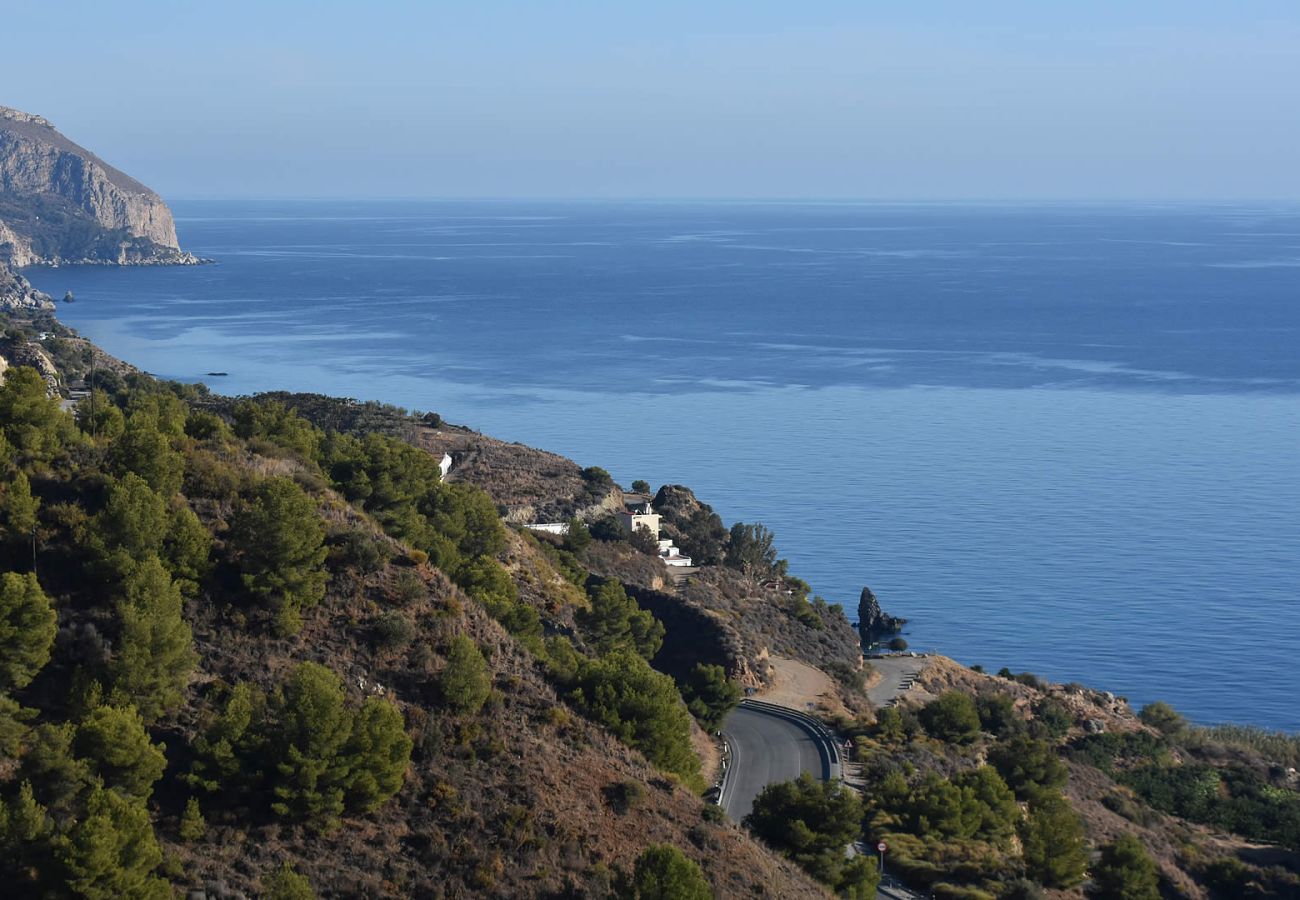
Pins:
<point x="61" y="204"/>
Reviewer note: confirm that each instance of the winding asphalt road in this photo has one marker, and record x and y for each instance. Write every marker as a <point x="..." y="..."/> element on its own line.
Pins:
<point x="765" y="748"/>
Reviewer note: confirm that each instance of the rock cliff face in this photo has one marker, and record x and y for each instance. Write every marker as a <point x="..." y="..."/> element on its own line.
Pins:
<point x="59" y="203"/>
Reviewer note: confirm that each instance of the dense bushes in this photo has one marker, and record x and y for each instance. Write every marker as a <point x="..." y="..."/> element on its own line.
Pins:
<point x="311" y="754"/>
<point x="1125" y="871"/>
<point x="812" y="822"/>
<point x="641" y="706"/>
<point x="709" y="695"/>
<point x="951" y="718"/>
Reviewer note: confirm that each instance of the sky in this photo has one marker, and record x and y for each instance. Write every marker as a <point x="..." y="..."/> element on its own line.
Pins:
<point x="833" y="99"/>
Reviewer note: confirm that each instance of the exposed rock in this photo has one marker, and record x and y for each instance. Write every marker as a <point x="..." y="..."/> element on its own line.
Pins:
<point x="690" y="524"/>
<point x="17" y="293"/>
<point x="873" y="624"/>
<point x="61" y="204"/>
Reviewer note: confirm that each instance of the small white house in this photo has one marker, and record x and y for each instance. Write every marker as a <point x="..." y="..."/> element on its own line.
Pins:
<point x="671" y="556"/>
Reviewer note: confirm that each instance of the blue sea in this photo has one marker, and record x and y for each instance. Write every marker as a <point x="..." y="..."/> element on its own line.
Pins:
<point x="1056" y="438"/>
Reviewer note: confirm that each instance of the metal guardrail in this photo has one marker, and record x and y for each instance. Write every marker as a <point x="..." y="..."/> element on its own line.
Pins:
<point x="828" y="744"/>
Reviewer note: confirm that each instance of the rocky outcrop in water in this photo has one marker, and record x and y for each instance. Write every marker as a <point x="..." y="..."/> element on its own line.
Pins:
<point x="873" y="623"/>
<point x="61" y="204"/>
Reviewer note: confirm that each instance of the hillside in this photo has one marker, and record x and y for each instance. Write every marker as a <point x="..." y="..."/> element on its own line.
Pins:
<point x="235" y="643"/>
<point x="61" y="204"/>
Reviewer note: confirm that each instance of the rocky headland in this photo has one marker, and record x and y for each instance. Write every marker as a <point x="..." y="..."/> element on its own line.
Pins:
<point x="60" y="204"/>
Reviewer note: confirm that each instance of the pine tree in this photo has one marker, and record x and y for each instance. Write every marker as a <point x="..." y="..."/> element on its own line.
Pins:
<point x="193" y="827"/>
<point x="111" y="853"/>
<point x="144" y="450"/>
<point x="13" y="726"/>
<point x="220" y="752"/>
<point x="31" y="421"/>
<point x="1052" y="836"/>
<point x="642" y="707"/>
<point x="466" y="681"/>
<point x="378" y="755"/>
<point x="156" y="652"/>
<point x="27" y="628"/>
<point x="1125" y="871"/>
<point x="132" y="525"/>
<point x="113" y="739"/>
<point x="710" y="695"/>
<point x="281" y="547"/>
<point x="615" y="622"/>
<point x="99" y="417"/>
<point x="18" y="510"/>
<point x="187" y="547"/>
<point x="312" y="728"/>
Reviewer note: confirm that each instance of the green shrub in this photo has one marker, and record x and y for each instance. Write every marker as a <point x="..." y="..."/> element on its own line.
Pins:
<point x="952" y="718"/>
<point x="809" y="821"/>
<point x="393" y="631"/>
<point x="1125" y="871"/>
<point x="287" y="884"/>
<point x="640" y="706"/>
<point x="663" y="872"/>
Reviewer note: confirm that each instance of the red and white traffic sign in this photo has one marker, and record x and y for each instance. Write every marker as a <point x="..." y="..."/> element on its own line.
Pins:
<point x="882" y="846"/>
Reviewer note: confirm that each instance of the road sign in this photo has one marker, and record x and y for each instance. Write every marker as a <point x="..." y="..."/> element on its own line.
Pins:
<point x="882" y="846"/>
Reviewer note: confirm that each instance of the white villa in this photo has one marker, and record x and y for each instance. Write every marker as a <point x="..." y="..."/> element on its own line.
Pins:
<point x="638" y="513"/>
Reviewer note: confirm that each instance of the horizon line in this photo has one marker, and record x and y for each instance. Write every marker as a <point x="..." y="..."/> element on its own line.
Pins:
<point x="774" y="200"/>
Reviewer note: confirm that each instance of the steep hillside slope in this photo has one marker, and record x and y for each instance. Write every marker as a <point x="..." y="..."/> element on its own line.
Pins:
<point x="239" y="651"/>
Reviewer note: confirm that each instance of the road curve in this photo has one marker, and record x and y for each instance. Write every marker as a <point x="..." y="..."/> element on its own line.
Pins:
<point x="766" y="747"/>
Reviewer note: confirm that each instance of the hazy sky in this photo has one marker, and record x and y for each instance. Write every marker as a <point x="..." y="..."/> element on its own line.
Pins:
<point x="932" y="99"/>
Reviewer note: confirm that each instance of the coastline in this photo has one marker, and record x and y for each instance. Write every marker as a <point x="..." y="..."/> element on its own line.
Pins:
<point x="1015" y="526"/>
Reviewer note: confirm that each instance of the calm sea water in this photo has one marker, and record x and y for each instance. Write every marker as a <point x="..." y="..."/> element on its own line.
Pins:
<point x="1061" y="439"/>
